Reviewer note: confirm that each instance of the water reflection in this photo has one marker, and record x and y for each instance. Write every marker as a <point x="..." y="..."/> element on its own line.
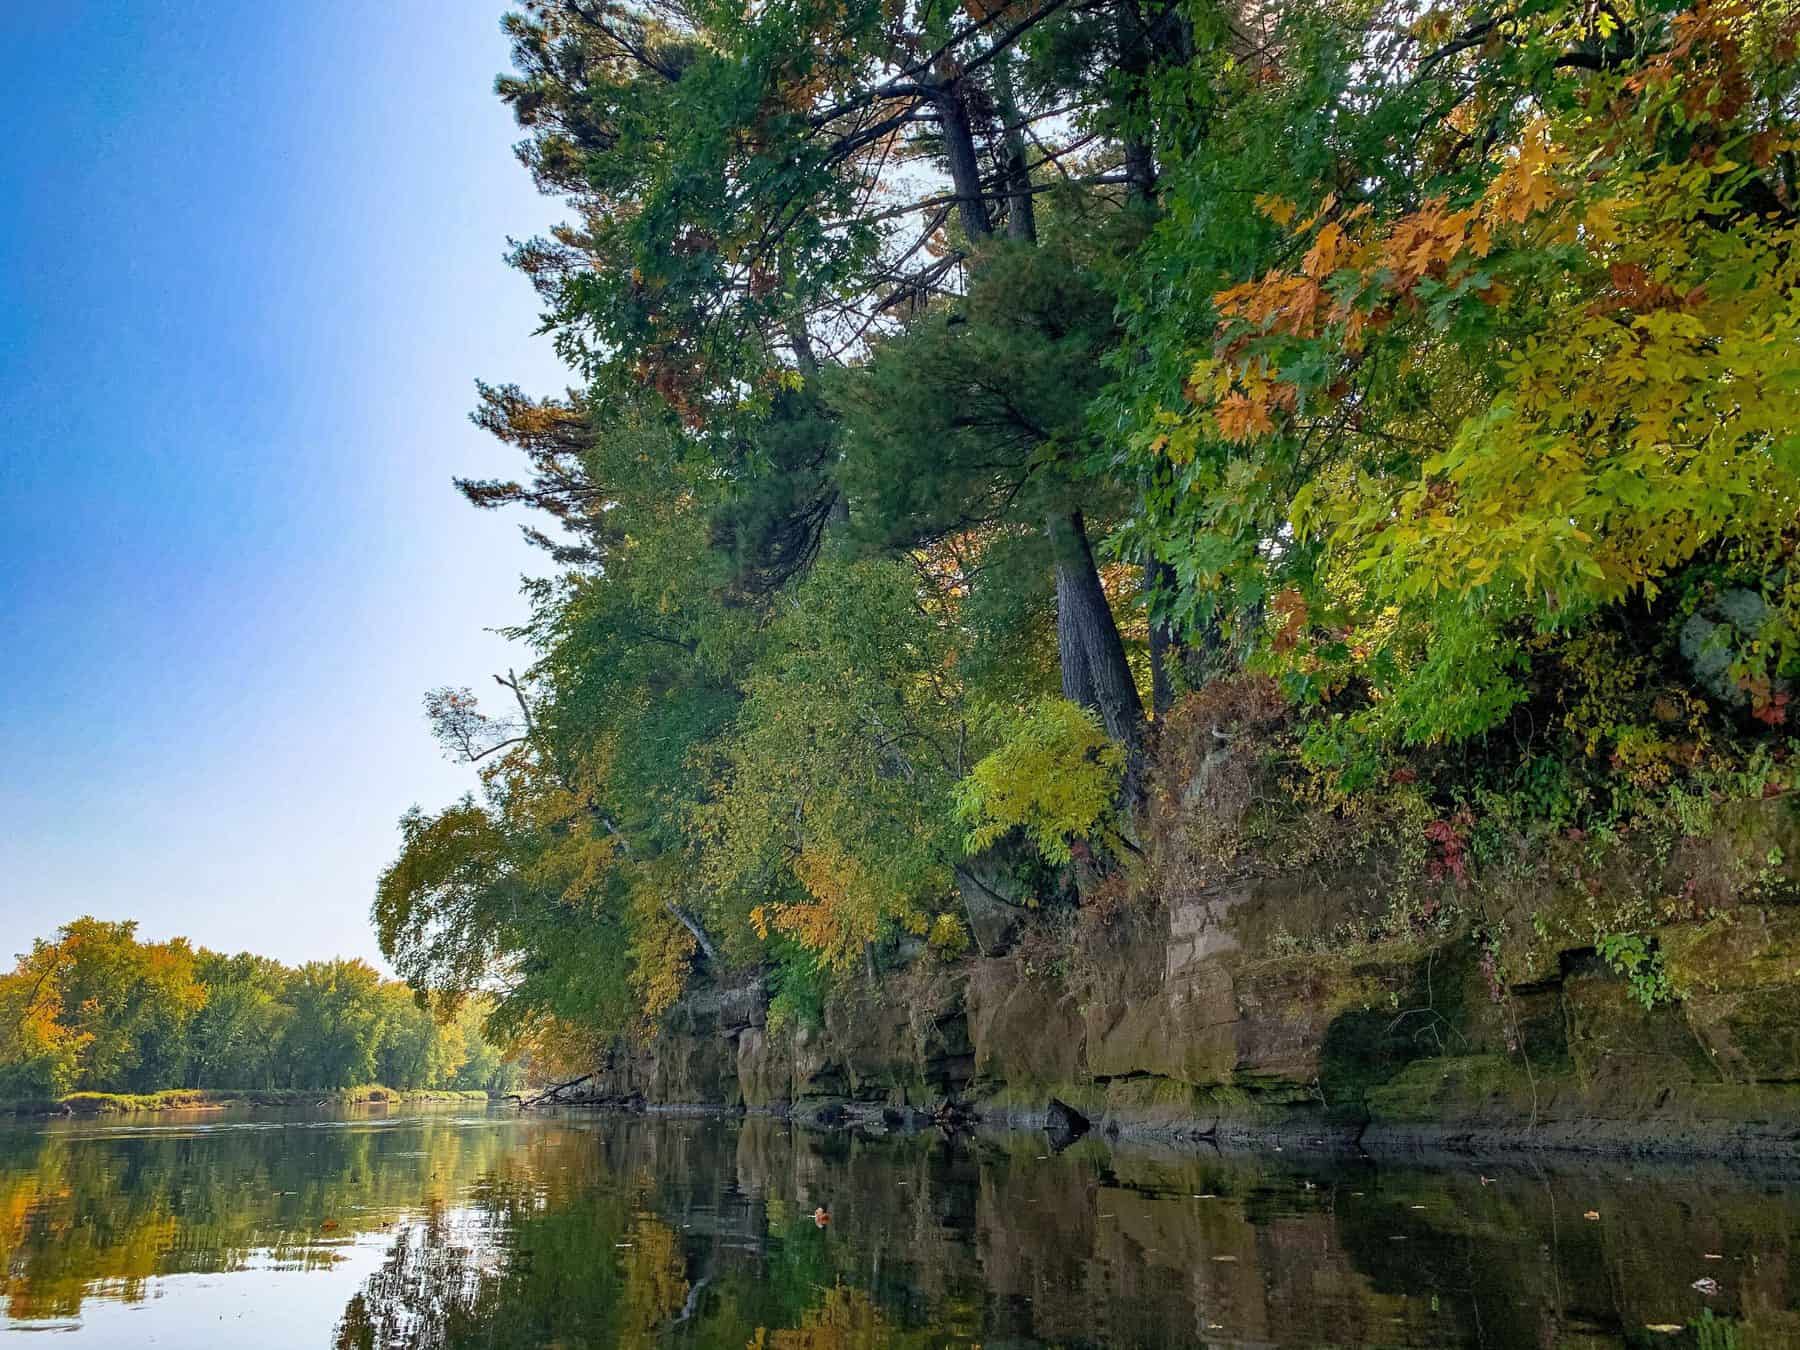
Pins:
<point x="457" y="1230"/>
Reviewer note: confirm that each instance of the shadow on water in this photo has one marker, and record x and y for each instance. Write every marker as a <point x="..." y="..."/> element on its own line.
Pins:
<point x="459" y="1229"/>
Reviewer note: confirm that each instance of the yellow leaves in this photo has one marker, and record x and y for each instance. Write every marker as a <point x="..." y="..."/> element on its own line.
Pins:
<point x="1327" y="254"/>
<point x="1600" y="220"/>
<point x="661" y="945"/>
<point x="1526" y="183"/>
<point x="1618" y="448"/>
<point x="949" y="936"/>
<point x="1324" y="210"/>
<point x="831" y="875"/>
<point x="1209" y="379"/>
<point x="655" y="1286"/>
<point x="846" y="1318"/>
<point x="1055" y="776"/>
<point x="1276" y="208"/>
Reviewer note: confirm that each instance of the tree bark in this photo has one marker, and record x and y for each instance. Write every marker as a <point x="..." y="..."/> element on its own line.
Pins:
<point x="1021" y="217"/>
<point x="1077" y="675"/>
<point x="1087" y="632"/>
<point x="959" y="149"/>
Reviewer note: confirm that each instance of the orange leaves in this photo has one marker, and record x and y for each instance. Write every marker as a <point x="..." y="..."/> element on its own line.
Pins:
<point x="1290" y="614"/>
<point x="1242" y="418"/>
<point x="1708" y="44"/>
<point x="1426" y="242"/>
<point x="1277" y="303"/>
<point x="1355" y="275"/>
<point x="1297" y="304"/>
<point x="1244" y="401"/>
<point x="1635" y="289"/>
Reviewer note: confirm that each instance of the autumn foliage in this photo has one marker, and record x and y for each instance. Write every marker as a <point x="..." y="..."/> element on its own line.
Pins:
<point x="1017" y="444"/>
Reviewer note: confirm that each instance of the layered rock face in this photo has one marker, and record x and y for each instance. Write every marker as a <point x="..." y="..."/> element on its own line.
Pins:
<point x="1244" y="1012"/>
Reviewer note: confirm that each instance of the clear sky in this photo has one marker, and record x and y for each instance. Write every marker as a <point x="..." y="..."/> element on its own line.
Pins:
<point x="250" y="266"/>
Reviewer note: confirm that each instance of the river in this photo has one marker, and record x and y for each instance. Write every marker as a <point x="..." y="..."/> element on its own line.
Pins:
<point x="470" y="1227"/>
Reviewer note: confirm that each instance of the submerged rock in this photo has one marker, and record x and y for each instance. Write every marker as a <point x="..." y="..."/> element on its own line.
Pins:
<point x="1064" y="1124"/>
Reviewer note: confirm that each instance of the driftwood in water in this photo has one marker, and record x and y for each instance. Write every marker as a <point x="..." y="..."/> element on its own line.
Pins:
<point x="553" y="1095"/>
<point x="564" y="1094"/>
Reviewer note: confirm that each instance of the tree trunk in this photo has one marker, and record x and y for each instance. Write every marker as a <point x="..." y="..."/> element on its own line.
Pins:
<point x="1085" y="625"/>
<point x="1021" y="219"/>
<point x="1077" y="675"/>
<point x="1134" y="64"/>
<point x="959" y="149"/>
<point x="687" y="921"/>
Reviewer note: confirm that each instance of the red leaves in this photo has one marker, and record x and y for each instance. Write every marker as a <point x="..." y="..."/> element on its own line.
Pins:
<point x="1449" y="842"/>
<point x="1772" y="711"/>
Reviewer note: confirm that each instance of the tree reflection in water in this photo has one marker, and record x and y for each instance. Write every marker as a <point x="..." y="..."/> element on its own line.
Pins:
<point x="607" y="1231"/>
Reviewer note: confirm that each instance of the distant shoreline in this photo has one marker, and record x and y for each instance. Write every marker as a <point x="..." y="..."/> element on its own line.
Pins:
<point x="211" y="1099"/>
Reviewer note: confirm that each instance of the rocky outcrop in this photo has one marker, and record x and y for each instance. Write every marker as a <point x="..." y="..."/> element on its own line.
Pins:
<point x="1240" y="1014"/>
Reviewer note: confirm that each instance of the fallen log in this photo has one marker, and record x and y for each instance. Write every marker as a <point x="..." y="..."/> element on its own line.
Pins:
<point x="553" y="1093"/>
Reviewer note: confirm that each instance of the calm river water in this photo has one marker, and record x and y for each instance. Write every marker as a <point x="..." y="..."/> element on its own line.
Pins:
<point x="482" y="1228"/>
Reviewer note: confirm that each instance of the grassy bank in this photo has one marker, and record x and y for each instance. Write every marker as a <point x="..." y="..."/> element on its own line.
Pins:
<point x="201" y="1099"/>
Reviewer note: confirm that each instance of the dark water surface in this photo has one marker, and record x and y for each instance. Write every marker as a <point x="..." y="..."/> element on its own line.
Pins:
<point x="475" y="1228"/>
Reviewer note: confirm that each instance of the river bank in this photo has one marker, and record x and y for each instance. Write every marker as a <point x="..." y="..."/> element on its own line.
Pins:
<point x="1263" y="1011"/>
<point x="205" y="1099"/>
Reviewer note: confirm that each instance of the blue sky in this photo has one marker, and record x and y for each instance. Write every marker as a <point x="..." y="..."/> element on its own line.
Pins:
<point x="250" y="266"/>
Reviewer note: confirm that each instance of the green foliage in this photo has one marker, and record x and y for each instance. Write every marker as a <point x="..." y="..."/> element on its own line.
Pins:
<point x="1640" y="961"/>
<point x="798" y="983"/>
<point x="1055" y="776"/>
<point x="1435" y="369"/>
<point x="975" y="413"/>
<point x="829" y="820"/>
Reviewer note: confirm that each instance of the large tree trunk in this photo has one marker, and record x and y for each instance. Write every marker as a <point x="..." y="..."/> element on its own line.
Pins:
<point x="1071" y="651"/>
<point x="959" y="150"/>
<point x="1088" y="638"/>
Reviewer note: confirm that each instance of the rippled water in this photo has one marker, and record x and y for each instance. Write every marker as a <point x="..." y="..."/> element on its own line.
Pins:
<point x="488" y="1229"/>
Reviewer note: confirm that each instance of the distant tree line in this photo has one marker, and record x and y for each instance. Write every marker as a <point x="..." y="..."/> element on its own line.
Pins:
<point x="95" y="1009"/>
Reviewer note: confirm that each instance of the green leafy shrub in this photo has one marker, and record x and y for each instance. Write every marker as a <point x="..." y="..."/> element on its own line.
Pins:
<point x="797" y="983"/>
<point x="949" y="936"/>
<point x="1640" y="961"/>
